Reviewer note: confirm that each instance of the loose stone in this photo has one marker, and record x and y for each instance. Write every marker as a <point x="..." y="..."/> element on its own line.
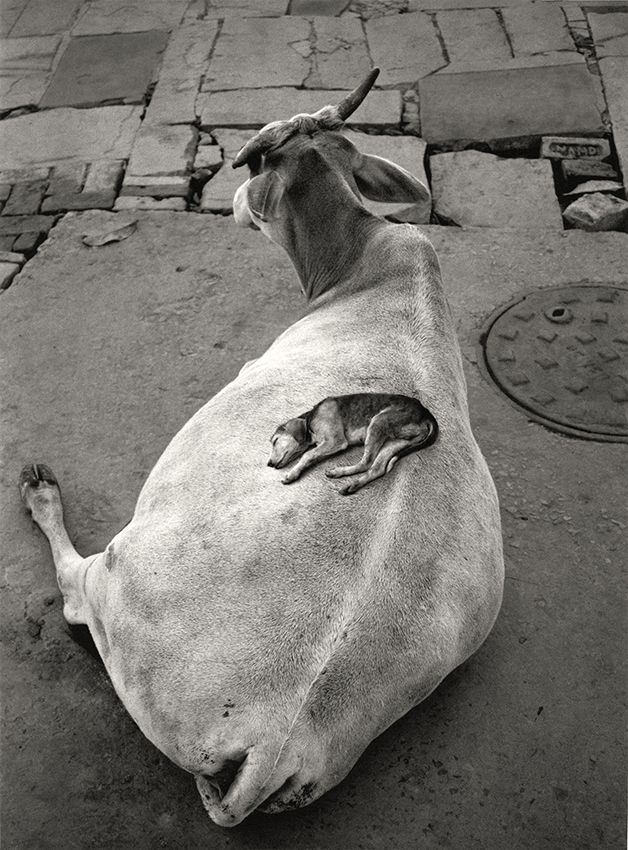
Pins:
<point x="598" y="212"/>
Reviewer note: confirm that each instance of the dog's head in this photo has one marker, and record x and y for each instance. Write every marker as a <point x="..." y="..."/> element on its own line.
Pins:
<point x="288" y="442"/>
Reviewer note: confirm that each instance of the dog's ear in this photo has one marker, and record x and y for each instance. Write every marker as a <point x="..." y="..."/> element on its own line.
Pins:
<point x="264" y="194"/>
<point x="379" y="179"/>
<point x="297" y="428"/>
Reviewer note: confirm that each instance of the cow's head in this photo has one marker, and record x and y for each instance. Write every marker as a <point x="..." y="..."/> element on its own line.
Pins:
<point x="304" y="167"/>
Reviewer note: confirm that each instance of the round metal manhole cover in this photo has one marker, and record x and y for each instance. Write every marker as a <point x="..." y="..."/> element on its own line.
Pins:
<point x="562" y="355"/>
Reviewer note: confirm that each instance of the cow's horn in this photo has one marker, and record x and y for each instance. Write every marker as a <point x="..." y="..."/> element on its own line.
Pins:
<point x="350" y="103"/>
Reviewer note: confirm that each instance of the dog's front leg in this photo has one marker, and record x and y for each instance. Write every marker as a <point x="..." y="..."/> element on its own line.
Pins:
<point x="319" y="452"/>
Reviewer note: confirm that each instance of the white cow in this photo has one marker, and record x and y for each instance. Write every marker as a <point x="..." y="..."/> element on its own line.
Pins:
<point x="262" y="635"/>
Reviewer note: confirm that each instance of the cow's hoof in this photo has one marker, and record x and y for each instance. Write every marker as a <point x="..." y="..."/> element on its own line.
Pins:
<point x="35" y="480"/>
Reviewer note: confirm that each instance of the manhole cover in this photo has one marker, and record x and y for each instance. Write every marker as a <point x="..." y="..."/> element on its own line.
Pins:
<point x="561" y="354"/>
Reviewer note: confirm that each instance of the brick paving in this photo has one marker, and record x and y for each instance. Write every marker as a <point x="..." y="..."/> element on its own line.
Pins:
<point x="168" y="89"/>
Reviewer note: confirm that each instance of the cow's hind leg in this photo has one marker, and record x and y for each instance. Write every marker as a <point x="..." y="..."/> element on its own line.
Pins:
<point x="41" y="496"/>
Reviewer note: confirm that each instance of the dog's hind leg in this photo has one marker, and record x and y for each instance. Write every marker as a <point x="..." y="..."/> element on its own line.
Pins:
<point x="41" y="496"/>
<point x="377" y="433"/>
<point x="382" y="464"/>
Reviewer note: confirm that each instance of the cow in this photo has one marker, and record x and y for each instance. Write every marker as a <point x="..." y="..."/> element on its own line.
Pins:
<point x="261" y="636"/>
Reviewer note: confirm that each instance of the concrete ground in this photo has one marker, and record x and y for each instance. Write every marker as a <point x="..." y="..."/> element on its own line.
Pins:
<point x="108" y="108"/>
<point x="110" y="350"/>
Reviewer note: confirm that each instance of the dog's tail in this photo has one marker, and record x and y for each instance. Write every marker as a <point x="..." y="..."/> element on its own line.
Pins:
<point x="430" y="437"/>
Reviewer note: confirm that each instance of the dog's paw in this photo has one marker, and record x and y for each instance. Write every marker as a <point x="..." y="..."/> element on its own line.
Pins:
<point x="288" y="479"/>
<point x="348" y="489"/>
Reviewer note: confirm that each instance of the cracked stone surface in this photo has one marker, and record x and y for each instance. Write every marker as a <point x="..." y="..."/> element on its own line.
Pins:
<point x="405" y="47"/>
<point x="615" y="77"/>
<point x="10" y="11"/>
<point x="537" y="28"/>
<point x="218" y="193"/>
<point x="509" y="104"/>
<point x="108" y="16"/>
<point x="271" y="60"/>
<point x="610" y="33"/>
<point x="259" y="107"/>
<point x="41" y="17"/>
<point x="72" y="190"/>
<point x="245" y="8"/>
<point x="98" y="68"/>
<point x="470" y="33"/>
<point x="474" y="189"/>
<point x="341" y="58"/>
<point x="63" y="134"/>
<point x="409" y="153"/>
<point x="182" y="68"/>
<point x="25" y="69"/>
<point x="161" y="149"/>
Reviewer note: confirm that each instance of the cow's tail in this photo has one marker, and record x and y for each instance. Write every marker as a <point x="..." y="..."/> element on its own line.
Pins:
<point x="263" y="771"/>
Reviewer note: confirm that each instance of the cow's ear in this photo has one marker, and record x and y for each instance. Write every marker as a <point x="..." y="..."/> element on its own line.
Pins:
<point x="379" y="179"/>
<point x="264" y="194"/>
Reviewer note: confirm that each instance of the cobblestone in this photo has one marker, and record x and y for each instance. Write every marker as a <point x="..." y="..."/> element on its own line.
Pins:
<point x="255" y="108"/>
<point x="268" y="54"/>
<point x="69" y="189"/>
<point x="183" y="66"/>
<point x="317" y="7"/>
<point x="64" y="134"/>
<point x="23" y="233"/>
<point x="587" y="168"/>
<point x="481" y="190"/>
<point x="12" y="257"/>
<point x="405" y="47"/>
<point x="598" y="212"/>
<point x="95" y="69"/>
<point x="109" y="16"/>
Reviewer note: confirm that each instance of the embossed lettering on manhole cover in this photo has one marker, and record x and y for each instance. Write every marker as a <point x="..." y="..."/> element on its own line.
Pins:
<point x="562" y="354"/>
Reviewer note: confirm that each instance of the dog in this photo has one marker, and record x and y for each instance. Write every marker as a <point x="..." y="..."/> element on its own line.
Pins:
<point x="388" y="426"/>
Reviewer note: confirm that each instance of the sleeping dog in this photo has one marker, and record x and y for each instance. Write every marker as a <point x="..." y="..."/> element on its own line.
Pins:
<point x="389" y="427"/>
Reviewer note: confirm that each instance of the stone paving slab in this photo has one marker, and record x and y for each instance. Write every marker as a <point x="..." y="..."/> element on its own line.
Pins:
<point x="409" y="153"/>
<point x="10" y="11"/>
<point x="255" y="108"/>
<point x="41" y="17"/>
<point x="244" y="9"/>
<point x="146" y="203"/>
<point x="64" y="134"/>
<point x="610" y="33"/>
<point x="317" y="7"/>
<point x="341" y="57"/>
<point x="25" y="69"/>
<point x="405" y="47"/>
<point x="161" y="149"/>
<point x="536" y="28"/>
<point x="170" y="315"/>
<point x="509" y="104"/>
<point x="25" y="198"/>
<point x="217" y="195"/>
<point x="473" y="189"/>
<point x="99" y="68"/>
<point x="162" y="185"/>
<point x="109" y="16"/>
<point x="469" y="33"/>
<point x="94" y="188"/>
<point x="615" y="77"/>
<point x="182" y="69"/>
<point x="258" y="66"/>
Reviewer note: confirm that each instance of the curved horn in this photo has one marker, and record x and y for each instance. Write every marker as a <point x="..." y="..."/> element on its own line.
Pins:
<point x="252" y="147"/>
<point x="350" y="103"/>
